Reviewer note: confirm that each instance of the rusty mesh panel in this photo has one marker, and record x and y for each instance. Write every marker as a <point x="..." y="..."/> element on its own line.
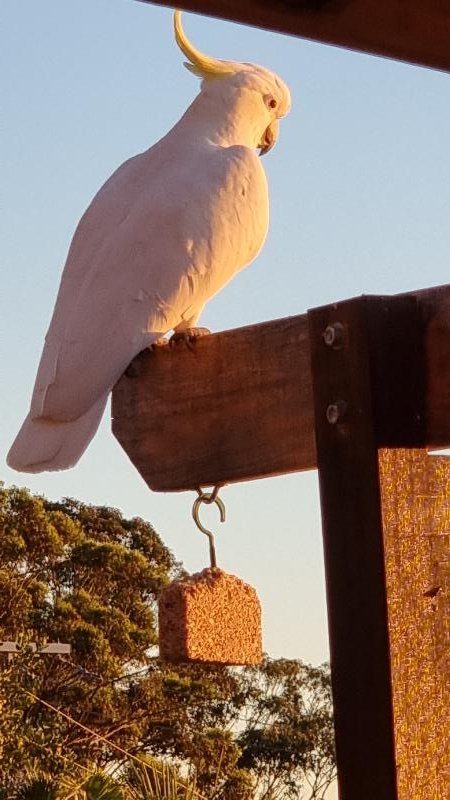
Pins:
<point x="415" y="493"/>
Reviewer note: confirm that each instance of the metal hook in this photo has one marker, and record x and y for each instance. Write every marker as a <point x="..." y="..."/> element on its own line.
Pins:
<point x="208" y="497"/>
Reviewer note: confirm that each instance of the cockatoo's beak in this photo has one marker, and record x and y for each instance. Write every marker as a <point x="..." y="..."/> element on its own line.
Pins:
<point x="269" y="138"/>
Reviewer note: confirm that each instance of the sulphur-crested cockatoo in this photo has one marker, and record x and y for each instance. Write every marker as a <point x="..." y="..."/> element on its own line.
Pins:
<point x="164" y="234"/>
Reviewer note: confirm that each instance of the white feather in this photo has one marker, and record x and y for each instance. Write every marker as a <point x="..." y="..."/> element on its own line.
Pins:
<point x="164" y="234"/>
<point x="47" y="445"/>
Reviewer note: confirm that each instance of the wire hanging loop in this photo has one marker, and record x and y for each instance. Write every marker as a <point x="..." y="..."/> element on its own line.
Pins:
<point x="208" y="498"/>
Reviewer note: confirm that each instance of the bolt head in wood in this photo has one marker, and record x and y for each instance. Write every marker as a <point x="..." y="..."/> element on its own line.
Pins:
<point x="335" y="411"/>
<point x="333" y="335"/>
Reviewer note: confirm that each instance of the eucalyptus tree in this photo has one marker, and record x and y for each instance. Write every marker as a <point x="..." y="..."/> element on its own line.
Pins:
<point x="87" y="576"/>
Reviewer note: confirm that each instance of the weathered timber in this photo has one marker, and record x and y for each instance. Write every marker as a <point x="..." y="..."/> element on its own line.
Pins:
<point x="417" y="31"/>
<point x="234" y="406"/>
<point x="238" y="405"/>
<point x="347" y="457"/>
<point x="415" y="500"/>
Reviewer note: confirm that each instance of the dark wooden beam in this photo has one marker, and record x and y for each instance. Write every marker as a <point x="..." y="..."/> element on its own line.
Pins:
<point x="386" y="540"/>
<point x="417" y="31"/>
<point x="347" y="457"/>
<point x="238" y="405"/>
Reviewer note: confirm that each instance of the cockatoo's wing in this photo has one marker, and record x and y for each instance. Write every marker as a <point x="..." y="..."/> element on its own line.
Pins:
<point x="162" y="236"/>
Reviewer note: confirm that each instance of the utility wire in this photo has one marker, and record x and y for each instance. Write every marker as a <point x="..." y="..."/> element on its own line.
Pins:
<point x="102" y="738"/>
<point x="90" y="674"/>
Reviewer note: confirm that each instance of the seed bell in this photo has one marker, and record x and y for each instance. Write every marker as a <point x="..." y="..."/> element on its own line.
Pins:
<point x="210" y="617"/>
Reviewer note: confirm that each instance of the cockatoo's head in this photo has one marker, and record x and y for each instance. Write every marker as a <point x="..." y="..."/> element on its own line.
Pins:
<point x="254" y="96"/>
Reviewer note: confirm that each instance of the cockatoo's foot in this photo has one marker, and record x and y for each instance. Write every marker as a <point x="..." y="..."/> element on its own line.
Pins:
<point x="188" y="336"/>
<point x="162" y="342"/>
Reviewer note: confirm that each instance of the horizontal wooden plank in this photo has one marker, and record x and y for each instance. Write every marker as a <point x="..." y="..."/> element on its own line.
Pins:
<point x="417" y="31"/>
<point x="236" y="406"/>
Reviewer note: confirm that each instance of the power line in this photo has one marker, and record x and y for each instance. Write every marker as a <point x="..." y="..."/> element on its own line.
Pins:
<point x="99" y="736"/>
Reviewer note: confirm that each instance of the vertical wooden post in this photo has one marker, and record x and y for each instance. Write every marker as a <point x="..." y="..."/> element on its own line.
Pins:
<point x="347" y="458"/>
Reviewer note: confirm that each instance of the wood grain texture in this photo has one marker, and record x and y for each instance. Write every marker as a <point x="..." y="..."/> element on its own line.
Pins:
<point x="236" y="406"/>
<point x="415" y="493"/>
<point x="417" y="31"/>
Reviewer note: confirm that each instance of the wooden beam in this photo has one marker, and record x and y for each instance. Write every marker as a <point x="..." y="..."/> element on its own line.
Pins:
<point x="417" y="31"/>
<point x="238" y="405"/>
<point x="347" y="458"/>
<point x="386" y="541"/>
<point x="232" y="407"/>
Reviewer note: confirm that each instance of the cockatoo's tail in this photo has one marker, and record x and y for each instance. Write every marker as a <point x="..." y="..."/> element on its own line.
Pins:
<point x="164" y="234"/>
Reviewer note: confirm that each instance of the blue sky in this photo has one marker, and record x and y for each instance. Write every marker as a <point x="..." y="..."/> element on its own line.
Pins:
<point x="360" y="203"/>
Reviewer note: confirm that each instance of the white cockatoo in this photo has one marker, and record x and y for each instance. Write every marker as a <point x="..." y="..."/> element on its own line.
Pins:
<point x="163" y="235"/>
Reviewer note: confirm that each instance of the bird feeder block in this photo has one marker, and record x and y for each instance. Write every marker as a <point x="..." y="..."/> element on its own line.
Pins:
<point x="210" y="617"/>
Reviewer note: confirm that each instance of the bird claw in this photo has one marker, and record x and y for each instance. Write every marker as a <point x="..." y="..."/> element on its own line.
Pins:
<point x="189" y="336"/>
<point x="162" y="342"/>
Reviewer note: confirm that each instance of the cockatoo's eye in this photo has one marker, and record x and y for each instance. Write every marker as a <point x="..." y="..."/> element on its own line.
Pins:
<point x="270" y="101"/>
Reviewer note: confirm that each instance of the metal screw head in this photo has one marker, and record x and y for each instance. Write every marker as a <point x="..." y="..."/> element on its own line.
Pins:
<point x="335" y="411"/>
<point x="333" y="335"/>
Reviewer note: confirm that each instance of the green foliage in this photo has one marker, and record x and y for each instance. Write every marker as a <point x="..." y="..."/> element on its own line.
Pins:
<point x="89" y="577"/>
<point x="81" y="574"/>
<point x="101" y="787"/>
<point x="86" y="576"/>
<point x="37" y="789"/>
<point x="153" y="780"/>
<point x="30" y="741"/>
<point x="288" y="739"/>
<point x="146" y="779"/>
